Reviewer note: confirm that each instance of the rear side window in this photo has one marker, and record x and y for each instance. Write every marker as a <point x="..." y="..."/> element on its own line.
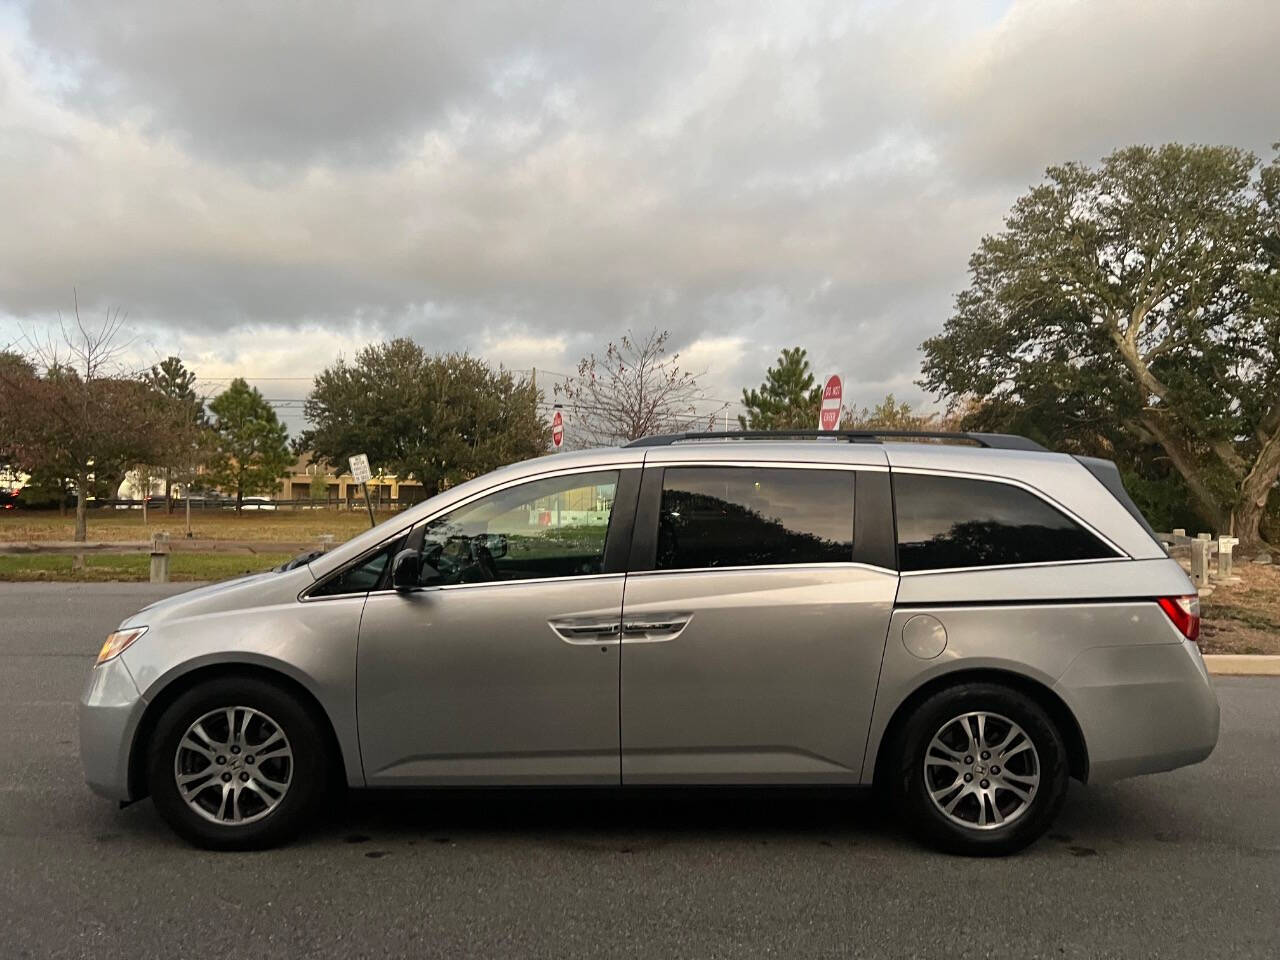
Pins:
<point x="947" y="522"/>
<point x="749" y="516"/>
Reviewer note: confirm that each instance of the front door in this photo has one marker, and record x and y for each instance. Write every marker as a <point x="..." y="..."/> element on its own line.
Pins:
<point x="503" y="666"/>
<point x="754" y="623"/>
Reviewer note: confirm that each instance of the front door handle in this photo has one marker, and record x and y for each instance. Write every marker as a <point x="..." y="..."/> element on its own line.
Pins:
<point x="655" y="628"/>
<point x="585" y="631"/>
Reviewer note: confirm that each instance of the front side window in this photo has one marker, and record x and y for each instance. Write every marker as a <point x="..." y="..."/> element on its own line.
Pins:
<point x="554" y="527"/>
<point x="948" y="522"/>
<point x="754" y="516"/>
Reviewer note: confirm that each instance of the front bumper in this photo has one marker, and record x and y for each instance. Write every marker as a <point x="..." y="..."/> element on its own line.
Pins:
<point x="1142" y="708"/>
<point x="109" y="713"/>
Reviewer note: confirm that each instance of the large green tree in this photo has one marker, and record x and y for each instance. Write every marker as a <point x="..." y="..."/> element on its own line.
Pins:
<point x="440" y="418"/>
<point x="788" y="399"/>
<point x="251" y="444"/>
<point x="16" y="369"/>
<point x="1132" y="306"/>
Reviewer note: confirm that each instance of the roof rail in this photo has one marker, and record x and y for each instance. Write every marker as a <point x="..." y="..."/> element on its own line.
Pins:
<point x="992" y="441"/>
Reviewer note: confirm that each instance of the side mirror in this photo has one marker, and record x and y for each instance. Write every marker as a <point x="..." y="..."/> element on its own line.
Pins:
<point x="406" y="570"/>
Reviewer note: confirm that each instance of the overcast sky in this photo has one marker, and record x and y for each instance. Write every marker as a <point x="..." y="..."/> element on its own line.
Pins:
<point x="266" y="186"/>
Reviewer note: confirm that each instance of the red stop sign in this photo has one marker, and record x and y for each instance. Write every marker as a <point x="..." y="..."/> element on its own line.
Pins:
<point x="832" y="403"/>
<point x="557" y="429"/>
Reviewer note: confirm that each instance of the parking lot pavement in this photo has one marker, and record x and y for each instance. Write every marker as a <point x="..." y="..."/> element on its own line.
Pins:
<point x="1181" y="864"/>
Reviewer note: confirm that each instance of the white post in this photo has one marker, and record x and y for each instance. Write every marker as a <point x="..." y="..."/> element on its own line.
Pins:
<point x="1200" y="563"/>
<point x="160" y="557"/>
<point x="1225" y="546"/>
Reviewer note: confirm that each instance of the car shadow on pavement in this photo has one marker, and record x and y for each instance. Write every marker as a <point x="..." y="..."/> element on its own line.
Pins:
<point x="847" y="815"/>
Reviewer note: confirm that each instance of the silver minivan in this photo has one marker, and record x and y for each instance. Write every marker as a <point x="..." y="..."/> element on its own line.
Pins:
<point x="965" y="623"/>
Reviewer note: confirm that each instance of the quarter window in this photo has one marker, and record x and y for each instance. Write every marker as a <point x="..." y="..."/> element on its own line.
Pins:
<point x="749" y="516"/>
<point x="947" y="522"/>
<point x="360" y="577"/>
<point x="554" y="527"/>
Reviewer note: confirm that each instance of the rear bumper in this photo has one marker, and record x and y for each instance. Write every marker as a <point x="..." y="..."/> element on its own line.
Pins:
<point x="109" y="713"/>
<point x="1142" y="708"/>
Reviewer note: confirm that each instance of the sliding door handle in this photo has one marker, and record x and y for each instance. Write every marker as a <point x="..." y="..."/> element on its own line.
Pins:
<point x="655" y="628"/>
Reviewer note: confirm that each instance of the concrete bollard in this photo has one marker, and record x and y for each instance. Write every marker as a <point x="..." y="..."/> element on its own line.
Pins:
<point x="1179" y="532"/>
<point x="326" y="542"/>
<point x="1225" y="546"/>
<point x="1204" y="536"/>
<point x="1200" y="563"/>
<point x="159" y="558"/>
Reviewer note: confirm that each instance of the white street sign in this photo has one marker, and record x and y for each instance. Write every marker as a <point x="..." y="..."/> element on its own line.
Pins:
<point x="360" y="468"/>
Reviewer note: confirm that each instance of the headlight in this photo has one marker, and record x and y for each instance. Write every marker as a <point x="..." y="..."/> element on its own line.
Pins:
<point x="118" y="642"/>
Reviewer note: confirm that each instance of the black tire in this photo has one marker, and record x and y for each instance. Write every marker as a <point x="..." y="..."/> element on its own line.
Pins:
<point x="308" y="770"/>
<point x="911" y="791"/>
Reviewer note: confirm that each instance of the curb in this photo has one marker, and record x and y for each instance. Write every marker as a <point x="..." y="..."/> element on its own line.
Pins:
<point x="1242" y="664"/>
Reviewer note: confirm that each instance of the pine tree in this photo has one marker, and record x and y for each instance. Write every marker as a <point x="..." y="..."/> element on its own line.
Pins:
<point x="185" y="421"/>
<point x="788" y="399"/>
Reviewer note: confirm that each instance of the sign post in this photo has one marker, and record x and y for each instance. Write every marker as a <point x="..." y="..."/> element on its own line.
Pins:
<point x="832" y="403"/>
<point x="557" y="429"/>
<point x="361" y="474"/>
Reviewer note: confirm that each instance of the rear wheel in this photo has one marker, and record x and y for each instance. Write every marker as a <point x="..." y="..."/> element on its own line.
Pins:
<point x="236" y="764"/>
<point x="982" y="770"/>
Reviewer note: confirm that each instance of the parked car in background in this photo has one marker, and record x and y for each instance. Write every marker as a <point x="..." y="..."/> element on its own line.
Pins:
<point x="255" y="503"/>
<point x="964" y="626"/>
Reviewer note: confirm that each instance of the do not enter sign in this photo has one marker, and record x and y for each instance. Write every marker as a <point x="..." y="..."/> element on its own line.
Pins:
<point x="557" y="429"/>
<point x="832" y="403"/>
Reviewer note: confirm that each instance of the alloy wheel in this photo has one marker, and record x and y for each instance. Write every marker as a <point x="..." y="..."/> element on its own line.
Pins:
<point x="981" y="770"/>
<point x="233" y="765"/>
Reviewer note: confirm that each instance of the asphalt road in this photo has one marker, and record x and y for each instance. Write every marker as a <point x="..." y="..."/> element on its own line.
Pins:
<point x="1181" y="864"/>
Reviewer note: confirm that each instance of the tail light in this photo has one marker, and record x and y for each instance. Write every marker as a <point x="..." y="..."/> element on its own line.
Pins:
<point x="1184" y="612"/>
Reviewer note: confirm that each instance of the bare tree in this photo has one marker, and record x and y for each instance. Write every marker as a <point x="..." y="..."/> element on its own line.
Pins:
<point x="76" y="412"/>
<point x="634" y="390"/>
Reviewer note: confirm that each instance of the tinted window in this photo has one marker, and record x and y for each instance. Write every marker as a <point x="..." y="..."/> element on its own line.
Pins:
<point x="749" y="516"/>
<point x="360" y="578"/>
<point x="953" y="522"/>
<point x="545" y="528"/>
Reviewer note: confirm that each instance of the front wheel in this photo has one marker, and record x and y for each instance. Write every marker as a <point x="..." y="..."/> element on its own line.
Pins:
<point x="236" y="763"/>
<point x="982" y="770"/>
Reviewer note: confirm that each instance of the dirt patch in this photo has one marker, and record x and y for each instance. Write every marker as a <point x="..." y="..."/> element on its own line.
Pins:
<point x="1243" y="617"/>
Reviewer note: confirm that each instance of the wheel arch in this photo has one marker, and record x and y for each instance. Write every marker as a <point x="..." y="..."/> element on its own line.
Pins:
<point x="1059" y="712"/>
<point x="180" y="684"/>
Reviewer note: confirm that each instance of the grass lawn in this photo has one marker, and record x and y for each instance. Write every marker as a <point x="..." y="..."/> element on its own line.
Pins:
<point x="137" y="566"/>
<point x="127" y="525"/>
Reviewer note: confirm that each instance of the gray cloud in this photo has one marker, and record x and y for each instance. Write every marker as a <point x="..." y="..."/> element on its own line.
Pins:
<point x="528" y="180"/>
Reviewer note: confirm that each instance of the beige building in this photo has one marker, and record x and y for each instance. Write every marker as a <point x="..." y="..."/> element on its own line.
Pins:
<point x="297" y="483"/>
